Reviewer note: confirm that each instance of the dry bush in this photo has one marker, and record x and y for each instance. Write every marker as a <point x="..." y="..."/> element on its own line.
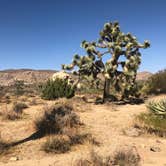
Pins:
<point x="122" y="157"/>
<point x="57" y="144"/>
<point x="19" y="107"/>
<point x="9" y="114"/>
<point x="57" y="119"/>
<point x="63" y="143"/>
<point x="128" y="158"/>
<point x="14" y="113"/>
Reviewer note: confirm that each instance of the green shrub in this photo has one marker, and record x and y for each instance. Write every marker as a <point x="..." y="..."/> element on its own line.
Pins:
<point x="157" y="107"/>
<point x="18" y="87"/>
<point x="57" y="119"/>
<point x="156" y="84"/>
<point x="57" y="89"/>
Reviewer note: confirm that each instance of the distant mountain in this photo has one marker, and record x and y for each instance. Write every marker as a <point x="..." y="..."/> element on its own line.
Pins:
<point x="29" y="76"/>
<point x="143" y="75"/>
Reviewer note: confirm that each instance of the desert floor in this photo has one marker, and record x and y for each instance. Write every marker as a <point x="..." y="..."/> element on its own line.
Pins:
<point x="106" y="123"/>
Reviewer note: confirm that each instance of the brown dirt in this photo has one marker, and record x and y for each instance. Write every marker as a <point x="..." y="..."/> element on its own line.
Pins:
<point x="105" y="122"/>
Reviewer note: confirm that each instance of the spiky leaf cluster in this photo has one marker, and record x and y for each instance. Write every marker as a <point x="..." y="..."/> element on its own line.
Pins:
<point x="115" y="44"/>
<point x="157" y="107"/>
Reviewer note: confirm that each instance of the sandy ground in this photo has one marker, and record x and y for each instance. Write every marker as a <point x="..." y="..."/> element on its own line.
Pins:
<point x="105" y="122"/>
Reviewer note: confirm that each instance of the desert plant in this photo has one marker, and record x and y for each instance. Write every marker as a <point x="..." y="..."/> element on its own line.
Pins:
<point x="57" y="144"/>
<point x="115" y="43"/>
<point x="128" y="158"/>
<point x="151" y="123"/>
<point x="58" y="88"/>
<point x="156" y="83"/>
<point x="157" y="107"/>
<point x="18" y="107"/>
<point x="9" y="114"/>
<point x="18" y="87"/>
<point x="57" y="119"/>
<point x="120" y="158"/>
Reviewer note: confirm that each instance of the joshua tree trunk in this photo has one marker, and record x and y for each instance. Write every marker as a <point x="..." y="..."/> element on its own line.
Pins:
<point x="106" y="91"/>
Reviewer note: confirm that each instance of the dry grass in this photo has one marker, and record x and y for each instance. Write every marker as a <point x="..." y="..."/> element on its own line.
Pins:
<point x="120" y="158"/>
<point x="19" y="107"/>
<point x="151" y="123"/>
<point x="57" y="144"/>
<point x="64" y="143"/>
<point x="9" y="114"/>
<point x="14" y="113"/>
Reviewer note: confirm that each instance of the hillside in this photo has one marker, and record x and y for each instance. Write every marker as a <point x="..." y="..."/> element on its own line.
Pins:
<point x="7" y="77"/>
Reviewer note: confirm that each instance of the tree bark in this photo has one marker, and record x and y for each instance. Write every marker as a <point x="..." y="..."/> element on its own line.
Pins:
<point x="106" y="91"/>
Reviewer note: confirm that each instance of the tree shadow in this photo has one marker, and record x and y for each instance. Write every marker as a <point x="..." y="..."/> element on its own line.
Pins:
<point x="34" y="136"/>
<point x="114" y="100"/>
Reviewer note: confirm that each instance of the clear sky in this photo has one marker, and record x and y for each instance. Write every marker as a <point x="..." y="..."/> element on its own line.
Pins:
<point x="43" y="34"/>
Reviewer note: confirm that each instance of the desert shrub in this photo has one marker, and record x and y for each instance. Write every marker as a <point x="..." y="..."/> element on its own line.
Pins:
<point x="18" y="87"/>
<point x="156" y="83"/>
<point x="151" y="123"/>
<point x="128" y="158"/>
<point x="63" y="143"/>
<point x="57" y="119"/>
<point x="120" y="158"/>
<point x="57" y="144"/>
<point x="57" y="89"/>
<point x="157" y="107"/>
<point x="18" y="107"/>
<point x="9" y="114"/>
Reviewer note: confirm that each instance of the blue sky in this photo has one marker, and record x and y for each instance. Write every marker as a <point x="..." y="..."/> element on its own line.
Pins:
<point x="43" y="34"/>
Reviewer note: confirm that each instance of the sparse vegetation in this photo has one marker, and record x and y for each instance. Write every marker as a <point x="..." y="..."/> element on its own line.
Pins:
<point x="9" y="114"/>
<point x="18" y="87"/>
<point x="120" y="158"/>
<point x="156" y="83"/>
<point x="14" y="113"/>
<point x="151" y="123"/>
<point x="154" y="121"/>
<point x="57" y="89"/>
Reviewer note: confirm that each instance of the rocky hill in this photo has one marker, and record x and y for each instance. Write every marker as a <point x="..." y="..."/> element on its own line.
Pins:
<point x="7" y="77"/>
<point x="143" y="75"/>
<point x="29" y="76"/>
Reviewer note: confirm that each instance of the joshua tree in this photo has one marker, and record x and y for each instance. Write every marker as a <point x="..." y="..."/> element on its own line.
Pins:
<point x="118" y="72"/>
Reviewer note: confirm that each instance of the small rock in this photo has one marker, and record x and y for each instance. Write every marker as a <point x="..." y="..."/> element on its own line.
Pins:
<point x="155" y="149"/>
<point x="158" y="141"/>
<point x="132" y="132"/>
<point x="143" y="146"/>
<point x="14" y="159"/>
